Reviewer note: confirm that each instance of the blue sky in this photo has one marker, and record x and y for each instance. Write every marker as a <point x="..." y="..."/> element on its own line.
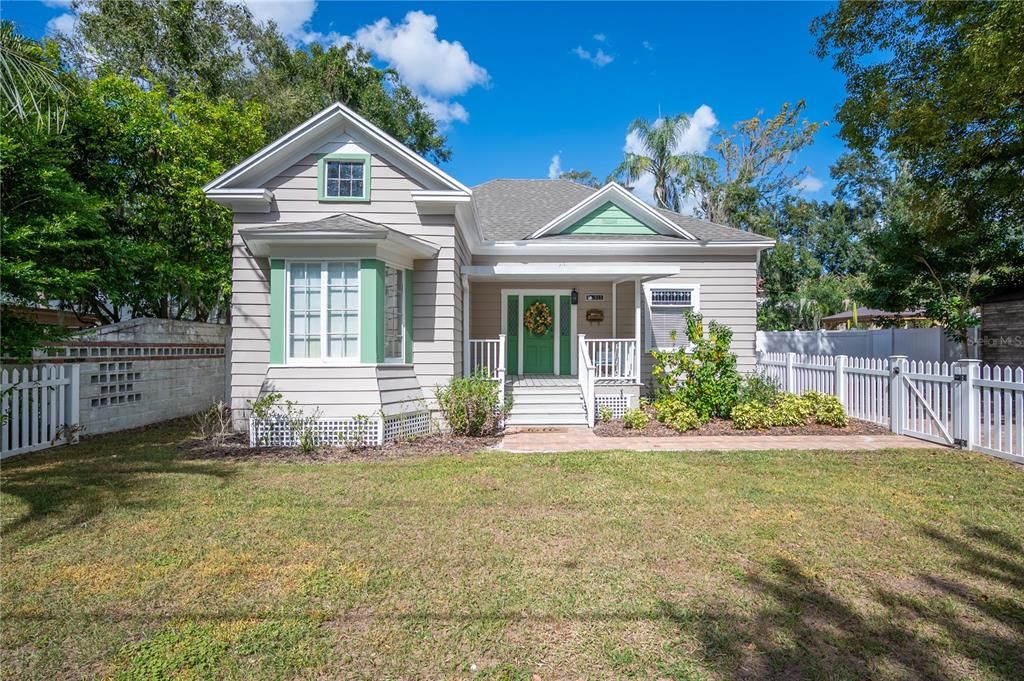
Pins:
<point x="523" y="82"/>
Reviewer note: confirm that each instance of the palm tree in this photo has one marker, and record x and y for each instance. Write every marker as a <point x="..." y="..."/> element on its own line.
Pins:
<point x="30" y="85"/>
<point x="669" y="169"/>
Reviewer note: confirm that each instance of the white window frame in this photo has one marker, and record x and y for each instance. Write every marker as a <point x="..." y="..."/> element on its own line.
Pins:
<point x="401" y="359"/>
<point x="649" y="288"/>
<point x="324" y="360"/>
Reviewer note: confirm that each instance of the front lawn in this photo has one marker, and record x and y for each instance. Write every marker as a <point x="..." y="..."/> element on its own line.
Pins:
<point x="122" y="558"/>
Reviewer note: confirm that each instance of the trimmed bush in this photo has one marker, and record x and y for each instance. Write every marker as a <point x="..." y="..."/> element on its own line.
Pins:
<point x="675" y="414"/>
<point x="758" y="387"/>
<point x="752" y="415"/>
<point x="469" y="405"/>
<point x="827" y="409"/>
<point x="636" y="419"/>
<point x="791" y="410"/>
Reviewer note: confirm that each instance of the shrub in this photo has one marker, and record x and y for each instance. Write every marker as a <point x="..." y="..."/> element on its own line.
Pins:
<point x="469" y="404"/>
<point x="605" y="413"/>
<point x="636" y="419"/>
<point x="676" y="414"/>
<point x="703" y="374"/>
<point x="791" y="410"/>
<point x="213" y="424"/>
<point x="752" y="415"/>
<point x="757" y="387"/>
<point x="827" y="409"/>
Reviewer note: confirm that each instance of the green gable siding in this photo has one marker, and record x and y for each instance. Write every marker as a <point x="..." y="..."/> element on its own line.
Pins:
<point x="609" y="219"/>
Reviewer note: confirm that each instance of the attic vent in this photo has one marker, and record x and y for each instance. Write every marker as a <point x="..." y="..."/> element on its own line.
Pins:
<point x="671" y="297"/>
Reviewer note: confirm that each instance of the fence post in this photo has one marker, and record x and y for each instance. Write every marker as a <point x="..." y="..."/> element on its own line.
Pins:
<point x="71" y="402"/>
<point x="897" y="392"/>
<point x="965" y="402"/>
<point x="790" y="386"/>
<point x="840" y="379"/>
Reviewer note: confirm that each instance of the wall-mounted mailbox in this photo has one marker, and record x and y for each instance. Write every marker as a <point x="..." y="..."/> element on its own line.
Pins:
<point x="595" y="315"/>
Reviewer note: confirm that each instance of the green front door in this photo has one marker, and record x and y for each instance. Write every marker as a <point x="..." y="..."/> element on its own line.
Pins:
<point x="539" y="349"/>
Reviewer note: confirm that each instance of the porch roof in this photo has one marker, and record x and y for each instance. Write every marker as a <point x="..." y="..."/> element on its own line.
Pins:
<point x="570" y="271"/>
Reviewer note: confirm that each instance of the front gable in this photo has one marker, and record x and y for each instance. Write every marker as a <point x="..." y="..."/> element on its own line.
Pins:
<point x="608" y="219"/>
<point x="612" y="210"/>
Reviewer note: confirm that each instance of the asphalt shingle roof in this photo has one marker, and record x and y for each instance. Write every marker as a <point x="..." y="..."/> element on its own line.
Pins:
<point x="509" y="210"/>
<point x="342" y="222"/>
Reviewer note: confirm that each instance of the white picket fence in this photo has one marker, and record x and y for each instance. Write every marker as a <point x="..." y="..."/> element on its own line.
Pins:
<point x="38" y="408"/>
<point x="953" y="403"/>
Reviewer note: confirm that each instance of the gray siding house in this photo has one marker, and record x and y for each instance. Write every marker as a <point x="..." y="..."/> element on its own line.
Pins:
<point x="364" y="277"/>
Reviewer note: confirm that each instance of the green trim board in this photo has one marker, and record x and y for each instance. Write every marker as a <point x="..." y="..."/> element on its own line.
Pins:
<point x="371" y="311"/>
<point x="278" y="328"/>
<point x="321" y="177"/>
<point x="512" y="335"/>
<point x="408" y="316"/>
<point x="608" y="219"/>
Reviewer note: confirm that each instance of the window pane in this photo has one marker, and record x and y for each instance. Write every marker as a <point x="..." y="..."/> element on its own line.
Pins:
<point x="356" y="188"/>
<point x="333" y="188"/>
<point x="393" y="310"/>
<point x="298" y="299"/>
<point x="313" y="345"/>
<point x="333" y="170"/>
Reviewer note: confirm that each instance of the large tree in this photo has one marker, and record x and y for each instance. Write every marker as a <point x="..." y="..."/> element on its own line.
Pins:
<point x="658" y="157"/>
<point x="935" y="121"/>
<point x="31" y="85"/>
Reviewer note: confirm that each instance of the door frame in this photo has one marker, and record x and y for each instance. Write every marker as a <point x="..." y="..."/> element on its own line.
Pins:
<point x="573" y="339"/>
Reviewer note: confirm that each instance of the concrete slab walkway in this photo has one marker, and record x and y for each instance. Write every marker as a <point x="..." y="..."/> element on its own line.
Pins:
<point x="575" y="439"/>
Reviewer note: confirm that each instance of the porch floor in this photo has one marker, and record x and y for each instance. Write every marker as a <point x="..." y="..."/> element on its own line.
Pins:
<point x="550" y="380"/>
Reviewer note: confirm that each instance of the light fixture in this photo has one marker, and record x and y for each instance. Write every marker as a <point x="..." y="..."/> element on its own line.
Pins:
<point x="575" y="298"/>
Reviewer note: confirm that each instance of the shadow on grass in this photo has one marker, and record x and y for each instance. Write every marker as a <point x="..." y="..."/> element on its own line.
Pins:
<point x="930" y="627"/>
<point x="69" y="486"/>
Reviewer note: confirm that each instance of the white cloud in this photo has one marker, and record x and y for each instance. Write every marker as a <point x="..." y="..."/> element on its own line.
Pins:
<point x="647" y="45"/>
<point x="290" y="16"/>
<point x="694" y="140"/>
<point x="438" y="67"/>
<point x="555" y="167"/>
<point x="444" y="111"/>
<point x="599" y="58"/>
<point x="62" y="24"/>
<point x="600" y="37"/>
<point x="810" y="185"/>
<point x="59" y="4"/>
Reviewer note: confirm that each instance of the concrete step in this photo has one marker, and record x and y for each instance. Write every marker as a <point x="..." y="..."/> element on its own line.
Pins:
<point x="560" y="408"/>
<point x="546" y="398"/>
<point x="546" y="420"/>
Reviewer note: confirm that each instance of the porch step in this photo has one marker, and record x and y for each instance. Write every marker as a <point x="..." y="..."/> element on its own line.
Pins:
<point x="547" y="405"/>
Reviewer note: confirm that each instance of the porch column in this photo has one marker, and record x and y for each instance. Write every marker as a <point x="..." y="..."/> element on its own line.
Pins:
<point x="465" y="325"/>
<point x="636" y="326"/>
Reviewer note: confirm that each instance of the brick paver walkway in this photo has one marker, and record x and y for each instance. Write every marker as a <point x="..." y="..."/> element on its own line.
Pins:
<point x="573" y="439"/>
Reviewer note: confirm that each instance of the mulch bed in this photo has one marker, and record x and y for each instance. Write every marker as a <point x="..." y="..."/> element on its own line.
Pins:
<point x="236" y="448"/>
<point x="718" y="427"/>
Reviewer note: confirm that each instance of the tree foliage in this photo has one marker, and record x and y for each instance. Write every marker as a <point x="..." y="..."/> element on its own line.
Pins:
<point x="31" y="86"/>
<point x="660" y="159"/>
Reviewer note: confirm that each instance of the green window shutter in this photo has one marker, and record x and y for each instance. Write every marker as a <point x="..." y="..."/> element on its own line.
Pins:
<point x="371" y="311"/>
<point x="512" y="337"/>
<point x="408" y="316"/>
<point x="565" y="335"/>
<point x="278" y="324"/>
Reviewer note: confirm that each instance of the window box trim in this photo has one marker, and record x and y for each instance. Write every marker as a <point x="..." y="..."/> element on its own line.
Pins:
<point x="321" y="177"/>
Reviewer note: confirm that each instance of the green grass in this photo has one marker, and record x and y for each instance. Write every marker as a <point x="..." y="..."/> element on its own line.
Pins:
<point x="123" y="560"/>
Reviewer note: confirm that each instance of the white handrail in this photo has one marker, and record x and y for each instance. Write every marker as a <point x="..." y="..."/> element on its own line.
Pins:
<point x="487" y="355"/>
<point x="613" y="358"/>
<point x="586" y="377"/>
<point x="500" y="373"/>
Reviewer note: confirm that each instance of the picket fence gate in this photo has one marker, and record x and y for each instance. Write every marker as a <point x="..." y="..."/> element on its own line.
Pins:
<point x="960" y="403"/>
<point x="38" y="407"/>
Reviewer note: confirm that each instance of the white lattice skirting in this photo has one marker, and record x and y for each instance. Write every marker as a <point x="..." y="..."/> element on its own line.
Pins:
<point x="338" y="432"/>
<point x="619" y="404"/>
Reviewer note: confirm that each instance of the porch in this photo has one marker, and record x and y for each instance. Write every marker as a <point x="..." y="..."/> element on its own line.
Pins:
<point x="565" y="327"/>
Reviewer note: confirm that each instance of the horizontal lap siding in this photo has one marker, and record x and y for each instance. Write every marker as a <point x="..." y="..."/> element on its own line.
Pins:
<point x="436" y="322"/>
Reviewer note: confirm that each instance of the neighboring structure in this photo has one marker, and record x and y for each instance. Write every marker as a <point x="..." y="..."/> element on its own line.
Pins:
<point x="141" y="371"/>
<point x="53" y="317"/>
<point x="364" y="277"/>
<point x="1002" y="329"/>
<point x="926" y="345"/>
<point x="870" y="318"/>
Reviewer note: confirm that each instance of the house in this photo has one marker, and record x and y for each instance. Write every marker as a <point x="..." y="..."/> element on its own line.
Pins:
<point x="364" y="277"/>
<point x="1002" y="328"/>
<point x="870" y="318"/>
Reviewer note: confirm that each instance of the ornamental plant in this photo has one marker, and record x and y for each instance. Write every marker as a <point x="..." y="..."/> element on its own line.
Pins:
<point x="702" y="373"/>
<point x="469" y="404"/>
<point x="676" y="414"/>
<point x="635" y="419"/>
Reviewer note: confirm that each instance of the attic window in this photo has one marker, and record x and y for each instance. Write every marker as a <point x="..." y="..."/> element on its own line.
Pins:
<point x="344" y="177"/>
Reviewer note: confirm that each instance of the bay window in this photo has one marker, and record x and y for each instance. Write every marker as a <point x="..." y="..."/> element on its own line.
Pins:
<point x="394" y="314"/>
<point x="323" y="310"/>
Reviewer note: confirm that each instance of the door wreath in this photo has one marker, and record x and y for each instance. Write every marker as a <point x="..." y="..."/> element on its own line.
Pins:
<point x="538" y="318"/>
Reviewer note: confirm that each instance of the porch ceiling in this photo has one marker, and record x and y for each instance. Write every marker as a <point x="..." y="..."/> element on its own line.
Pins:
<point x="568" y="271"/>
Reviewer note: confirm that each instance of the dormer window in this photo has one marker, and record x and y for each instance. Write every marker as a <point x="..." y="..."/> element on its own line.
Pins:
<point x="344" y="177"/>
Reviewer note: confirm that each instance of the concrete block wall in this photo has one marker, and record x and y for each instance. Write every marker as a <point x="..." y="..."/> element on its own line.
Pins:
<point x="145" y="370"/>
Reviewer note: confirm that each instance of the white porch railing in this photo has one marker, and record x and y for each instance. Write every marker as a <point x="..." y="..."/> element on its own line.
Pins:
<point x="614" y="359"/>
<point x="38" y="407"/>
<point x="487" y="355"/>
<point x="586" y="373"/>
